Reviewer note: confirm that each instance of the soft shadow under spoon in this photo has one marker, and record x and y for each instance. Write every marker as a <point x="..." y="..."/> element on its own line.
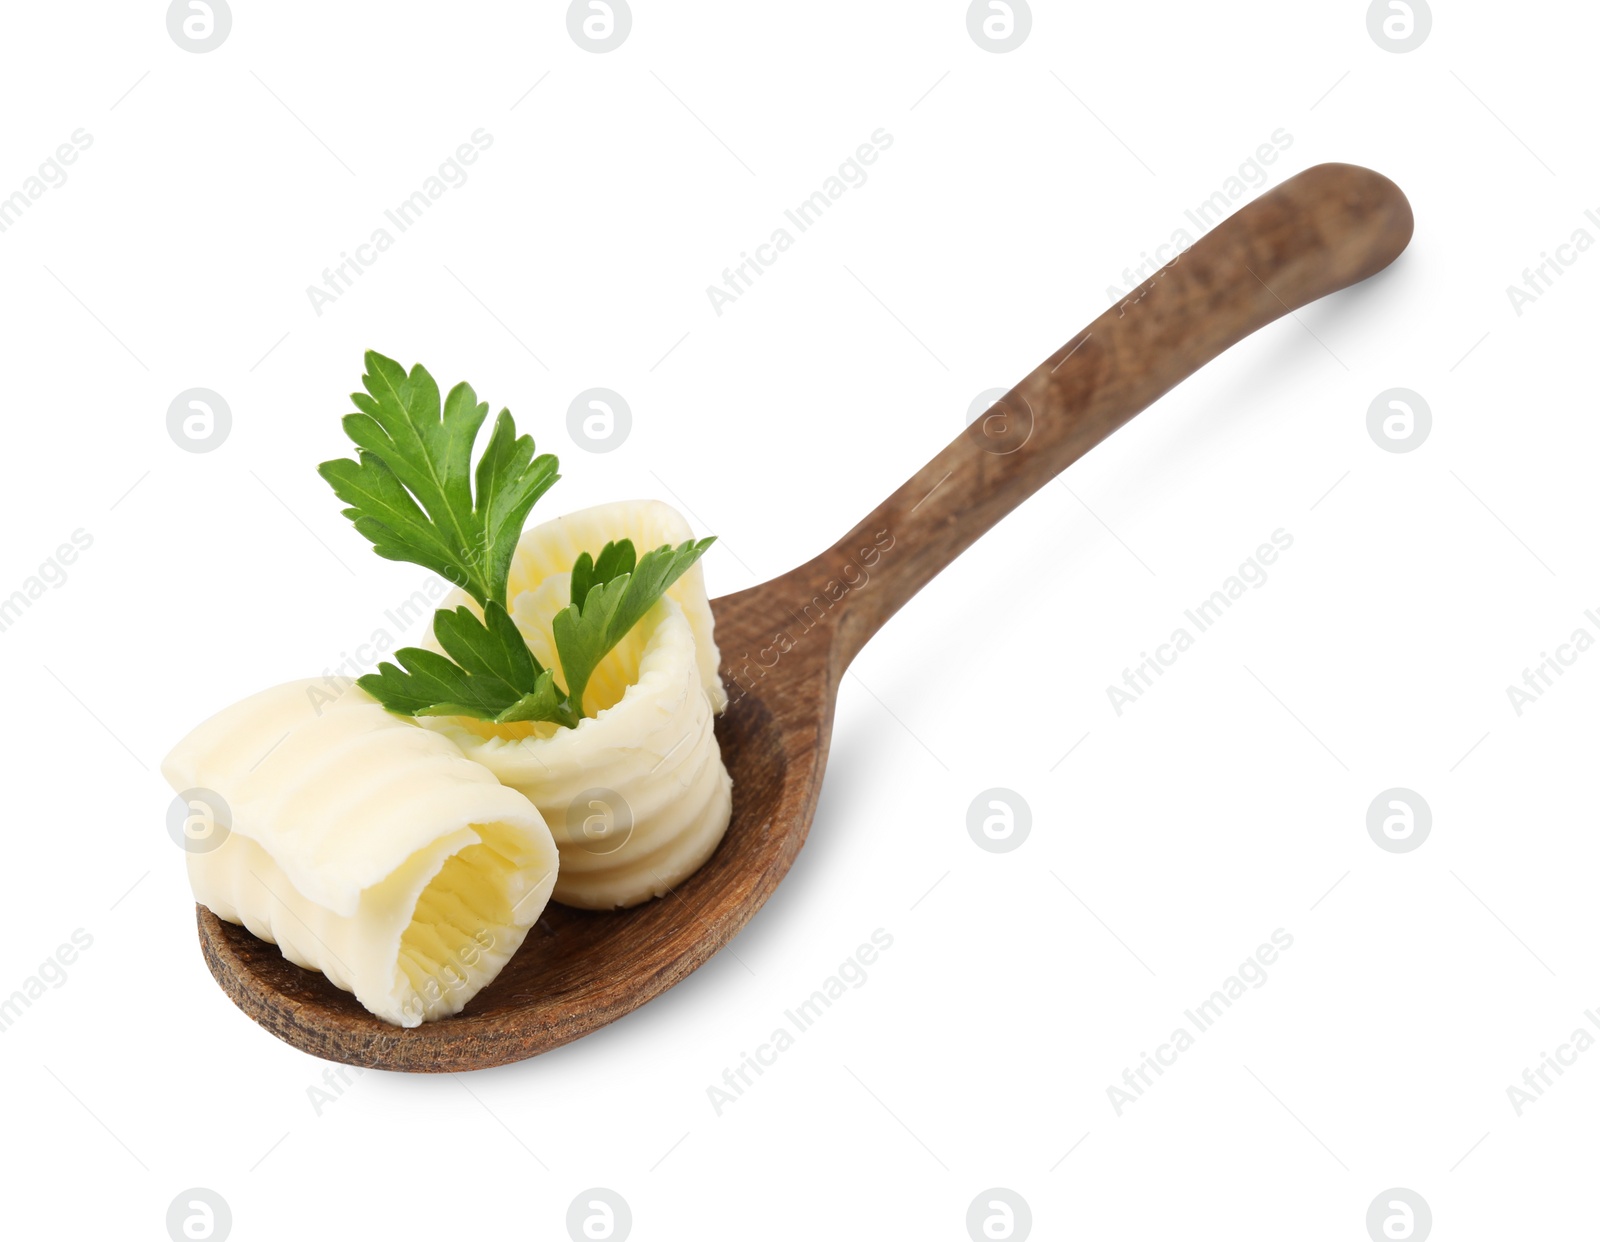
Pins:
<point x="786" y="644"/>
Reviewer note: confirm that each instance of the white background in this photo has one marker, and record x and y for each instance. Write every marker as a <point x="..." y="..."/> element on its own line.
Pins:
<point x="1228" y="802"/>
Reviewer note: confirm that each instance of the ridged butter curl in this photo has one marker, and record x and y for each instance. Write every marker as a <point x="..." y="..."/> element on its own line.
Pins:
<point x="636" y="795"/>
<point x="365" y="847"/>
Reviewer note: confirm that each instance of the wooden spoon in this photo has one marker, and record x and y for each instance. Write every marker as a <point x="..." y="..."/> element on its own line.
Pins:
<point x="786" y="644"/>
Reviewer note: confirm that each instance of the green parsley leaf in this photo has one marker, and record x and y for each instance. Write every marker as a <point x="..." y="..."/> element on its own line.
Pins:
<point x="610" y="594"/>
<point x="410" y="491"/>
<point x="489" y="674"/>
<point x="413" y="494"/>
<point x="429" y="685"/>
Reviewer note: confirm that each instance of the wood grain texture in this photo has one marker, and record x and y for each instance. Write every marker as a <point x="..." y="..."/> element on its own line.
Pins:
<point x="787" y="643"/>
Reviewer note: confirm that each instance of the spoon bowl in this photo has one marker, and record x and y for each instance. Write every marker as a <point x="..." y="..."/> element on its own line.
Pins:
<point x="786" y="644"/>
<point x="578" y="969"/>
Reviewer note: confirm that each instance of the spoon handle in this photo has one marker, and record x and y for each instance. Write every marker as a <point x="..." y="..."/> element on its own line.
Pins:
<point x="1321" y="231"/>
